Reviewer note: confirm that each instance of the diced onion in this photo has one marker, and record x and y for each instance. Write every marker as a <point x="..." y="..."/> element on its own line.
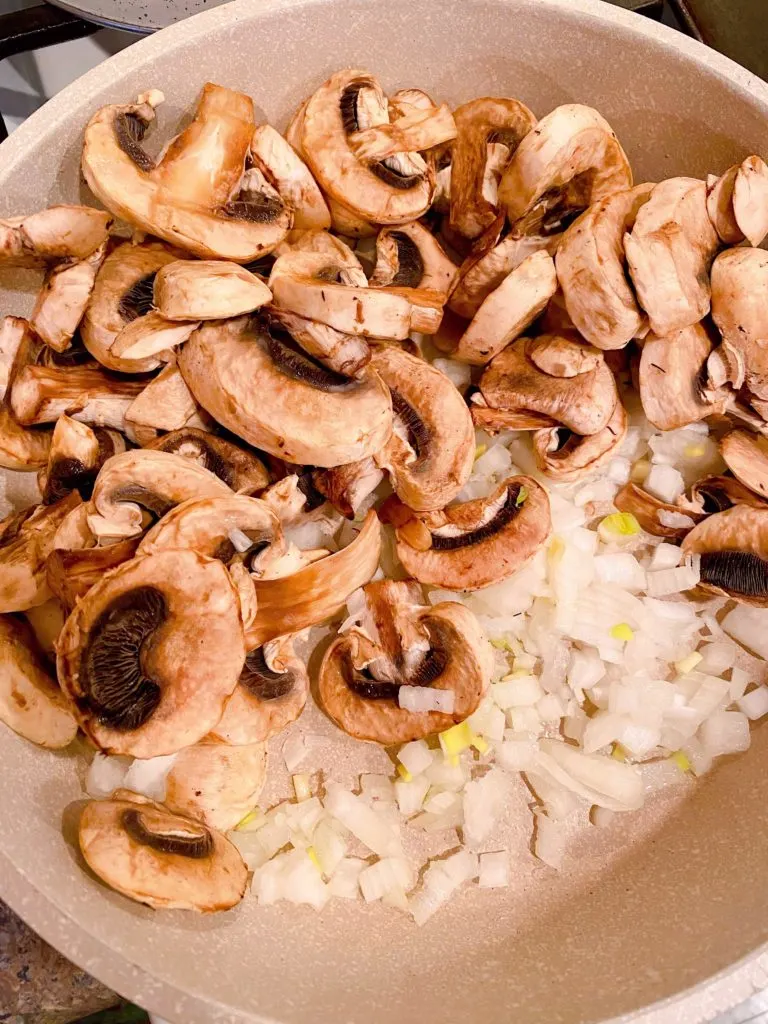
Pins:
<point x="148" y="777"/>
<point x="675" y="520"/>
<point x="410" y="795"/>
<point x="665" y="483"/>
<point x="675" y="581"/>
<point x="426" y="698"/>
<point x="549" y="841"/>
<point x="495" y="870"/>
<point x="725" y="732"/>
<point x="618" y="528"/>
<point x="755" y="703"/>
<point x="105" y="775"/>
<point x="363" y="822"/>
<point x="665" y="556"/>
<point x="344" y="882"/>
<point x="241" y="542"/>
<point x="416" y="756"/>
<point x="749" y="626"/>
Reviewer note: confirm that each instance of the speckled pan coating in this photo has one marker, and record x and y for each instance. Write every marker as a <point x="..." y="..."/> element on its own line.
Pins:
<point x="646" y="909"/>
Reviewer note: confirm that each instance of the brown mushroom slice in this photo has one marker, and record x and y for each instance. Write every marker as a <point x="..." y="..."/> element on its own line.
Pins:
<point x="41" y="394"/>
<point x="63" y="300"/>
<point x="30" y="701"/>
<point x="581" y="401"/>
<point x="481" y="542"/>
<point x="53" y="235"/>
<point x="207" y="290"/>
<point x="670" y="379"/>
<point x="669" y="252"/>
<point x="318" y="591"/>
<point x="413" y="131"/>
<point x="718" y="493"/>
<point x="313" y="416"/>
<point x="216" y="783"/>
<point x="430" y="452"/>
<point x="77" y="454"/>
<point x="166" y="403"/>
<point x="591" y="270"/>
<point x="271" y="694"/>
<point x="151" y="335"/>
<point x="509" y="309"/>
<point x="493" y="421"/>
<point x="568" y="162"/>
<point x="343" y="353"/>
<point x="409" y="256"/>
<point x="238" y="467"/>
<point x="733" y="546"/>
<point x="152" y="652"/>
<point x="26" y="540"/>
<point x="193" y="196"/>
<point x="280" y="162"/>
<point x="565" y="456"/>
<point x="479" y="123"/>
<point x="348" y="487"/>
<point x="143" y="482"/>
<point x="645" y="508"/>
<point x="737" y="202"/>
<point x="740" y="310"/>
<point x="440" y="647"/>
<point x="142" y="850"/>
<point x="292" y="497"/>
<point x="746" y="455"/>
<point x="20" y="449"/>
<point x="72" y="572"/>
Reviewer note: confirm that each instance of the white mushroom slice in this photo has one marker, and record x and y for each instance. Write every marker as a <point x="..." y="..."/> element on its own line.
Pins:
<point x="410" y="256"/>
<point x="733" y="547"/>
<point x="206" y="290"/>
<point x="166" y="403"/>
<point x="63" y="300"/>
<point x="568" y="162"/>
<point x="192" y="197"/>
<point x="740" y="310"/>
<point x="413" y="131"/>
<point x="291" y="177"/>
<point x="143" y="481"/>
<point x="720" y="206"/>
<point x="509" y="310"/>
<point x="26" y="540"/>
<point x="563" y="455"/>
<point x="591" y="270"/>
<point x="737" y="202"/>
<point x="164" y="860"/>
<point x="46" y="621"/>
<point x="152" y="652"/>
<point x="40" y="394"/>
<point x="215" y="783"/>
<point x="240" y="468"/>
<point x="20" y="449"/>
<point x="394" y="191"/>
<point x="259" y="385"/>
<point x="30" y="701"/>
<point x="430" y="452"/>
<point x="52" y="235"/>
<point x="271" y="694"/>
<point x="669" y="252"/>
<point x="340" y="255"/>
<point x="151" y="335"/>
<point x="746" y="455"/>
<point x="481" y="124"/>
<point x="343" y="353"/>
<point x="347" y="223"/>
<point x="77" y="454"/>
<point x="318" y="591"/>
<point x="349" y="487"/>
<point x="72" y="572"/>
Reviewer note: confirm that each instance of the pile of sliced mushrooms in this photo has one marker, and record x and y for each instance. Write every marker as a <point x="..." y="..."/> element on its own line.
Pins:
<point x="264" y="333"/>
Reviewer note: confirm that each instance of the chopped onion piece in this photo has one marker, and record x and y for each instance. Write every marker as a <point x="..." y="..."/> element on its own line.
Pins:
<point x="415" y="756"/>
<point x="549" y="841"/>
<point x="301" y="786"/>
<point x="241" y="542"/>
<point x="699" y="760"/>
<point x="495" y="870"/>
<point x="622" y="569"/>
<point x="106" y="774"/>
<point x="665" y="556"/>
<point x="329" y="845"/>
<point x="618" y="528"/>
<point x="739" y="683"/>
<point x="717" y="657"/>
<point x="488" y="721"/>
<point x="410" y="795"/>
<point x="749" y="626"/>
<point x="148" y="777"/>
<point x="675" y="581"/>
<point x="665" y="483"/>
<point x="601" y="780"/>
<point x="517" y="754"/>
<point x="441" y="880"/>
<point x="689" y="663"/>
<point x="525" y="720"/>
<point x="483" y="803"/>
<point x="362" y="821"/>
<point x="344" y="882"/>
<point x="425" y="698"/>
<point x="386" y="875"/>
<point x="619" y="470"/>
<point x="725" y="732"/>
<point x="460" y="374"/>
<point x="516" y="692"/>
<point x="755" y="703"/>
<point x="550" y="708"/>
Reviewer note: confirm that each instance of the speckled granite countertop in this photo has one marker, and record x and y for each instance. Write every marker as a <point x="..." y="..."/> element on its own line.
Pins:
<point x="37" y="985"/>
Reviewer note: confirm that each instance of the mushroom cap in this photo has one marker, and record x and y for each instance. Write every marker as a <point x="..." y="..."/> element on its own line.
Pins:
<point x="256" y="385"/>
<point x="670" y="379"/>
<point x="207" y="290"/>
<point x="409" y="256"/>
<point x="151" y="653"/>
<point x="285" y="169"/>
<point x="316" y="592"/>
<point x="645" y="508"/>
<point x="374" y="193"/>
<point x="669" y="252"/>
<point x="478" y="123"/>
<point x="734" y="553"/>
<point x="571" y="458"/>
<point x="62" y="302"/>
<point x="26" y="540"/>
<point x="162" y="859"/>
<point x="30" y="701"/>
<point x="344" y="353"/>
<point x="271" y="694"/>
<point x="347" y="487"/>
<point x="582" y="401"/>
<point x="166" y="403"/>
<point x="20" y="449"/>
<point x="72" y="572"/>
<point x="239" y="468"/>
<point x="570" y="159"/>
<point x="430" y="452"/>
<point x="445" y="648"/>
<point x="591" y="270"/>
<point x="152" y="335"/>
<point x="740" y="310"/>
<point x="481" y="542"/>
<point x="59" y="233"/>
<point x="77" y="454"/>
<point x="737" y="202"/>
<point x="746" y="455"/>
<point x="509" y="309"/>
<point x="216" y="783"/>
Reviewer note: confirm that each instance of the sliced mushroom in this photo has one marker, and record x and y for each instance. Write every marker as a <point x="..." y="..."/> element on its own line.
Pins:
<point x="646" y="507"/>
<point x="746" y="455"/>
<point x="477" y="543"/>
<point x="46" y="621"/>
<point x="410" y="256"/>
<point x="72" y="572"/>
<point x="740" y="310"/>
<point x="40" y="394"/>
<point x="166" y="403"/>
<point x="145" y="852"/>
<point x="293" y="497"/>
<point x="479" y="123"/>
<point x="313" y="415"/>
<point x="291" y="177"/>
<point x="151" y="336"/>
<point x="591" y="270"/>
<point x="733" y="546"/>
<point x="430" y="452"/>
<point x="566" y="456"/>
<point x="737" y="202"/>
<point x="63" y="300"/>
<point x="20" y="449"/>
<point x="509" y="309"/>
<point x="238" y="467"/>
<point x="26" y="540"/>
<point x="207" y="290"/>
<point x="152" y="652"/>
<point x="403" y="643"/>
<point x="77" y="454"/>
<point x="143" y="483"/>
<point x="193" y="196"/>
<point x="412" y="132"/>
<point x="717" y="493"/>
<point x="554" y="375"/>
<point x="348" y="487"/>
<point x="30" y="701"/>
<point x="568" y="161"/>
<point x="493" y="421"/>
<point x="669" y="251"/>
<point x="343" y="353"/>
<point x="271" y="694"/>
<point x="318" y="591"/>
<point x="671" y="375"/>
<point x="394" y="191"/>
<point x="216" y="783"/>
<point x="53" y="235"/>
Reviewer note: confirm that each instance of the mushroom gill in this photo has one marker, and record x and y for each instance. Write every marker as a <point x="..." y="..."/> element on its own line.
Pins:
<point x="733" y="547"/>
<point x="409" y="256"/>
<point x="563" y="455"/>
<point x="77" y="454"/>
<point x="239" y="468"/>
